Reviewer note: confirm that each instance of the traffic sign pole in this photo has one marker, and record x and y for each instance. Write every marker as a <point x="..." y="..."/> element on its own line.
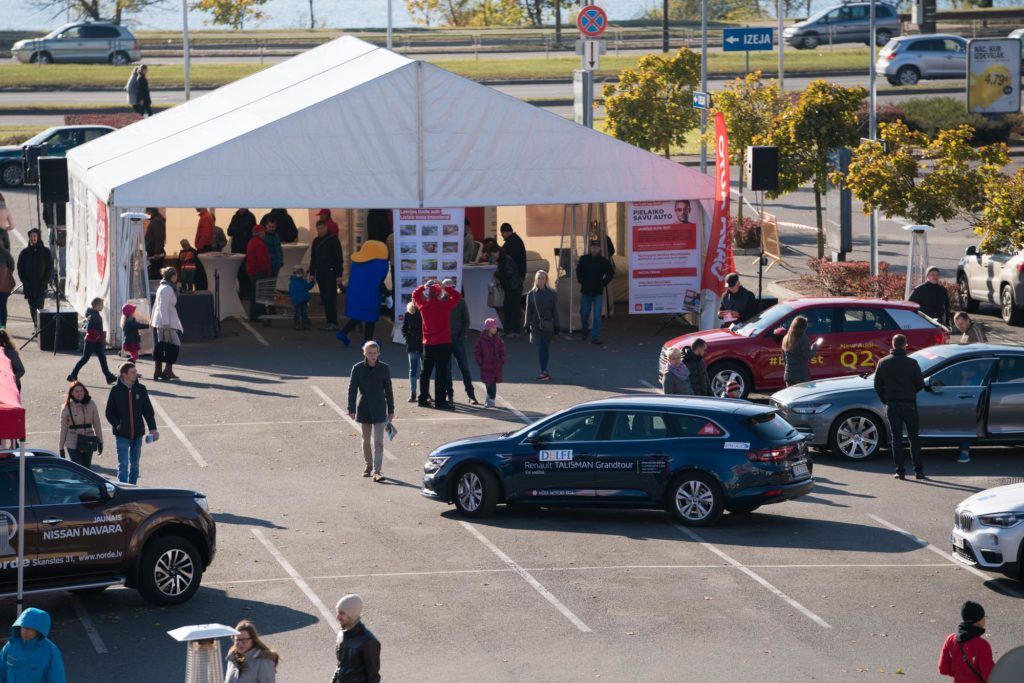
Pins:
<point x="704" y="83"/>
<point x="782" y="79"/>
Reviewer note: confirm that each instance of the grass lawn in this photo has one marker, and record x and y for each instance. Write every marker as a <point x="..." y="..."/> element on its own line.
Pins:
<point x="212" y="75"/>
<point x="15" y="135"/>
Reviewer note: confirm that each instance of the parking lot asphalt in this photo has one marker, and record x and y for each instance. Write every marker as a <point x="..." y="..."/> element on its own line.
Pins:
<point x="854" y="579"/>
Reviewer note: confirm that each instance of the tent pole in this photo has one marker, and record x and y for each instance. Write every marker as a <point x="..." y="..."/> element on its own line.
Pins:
<point x="419" y="128"/>
<point x="21" y="526"/>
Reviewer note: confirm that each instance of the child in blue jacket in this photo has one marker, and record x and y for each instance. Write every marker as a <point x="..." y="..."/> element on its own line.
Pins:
<point x="298" y="290"/>
<point x="29" y="656"/>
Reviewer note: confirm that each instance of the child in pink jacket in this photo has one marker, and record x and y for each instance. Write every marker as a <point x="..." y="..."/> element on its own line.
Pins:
<point x="490" y="356"/>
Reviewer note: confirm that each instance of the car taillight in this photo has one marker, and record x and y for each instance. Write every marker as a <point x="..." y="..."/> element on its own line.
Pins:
<point x="1020" y="266"/>
<point x="891" y="56"/>
<point x="770" y="454"/>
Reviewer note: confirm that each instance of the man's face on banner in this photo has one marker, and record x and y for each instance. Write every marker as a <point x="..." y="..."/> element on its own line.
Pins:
<point x="682" y="211"/>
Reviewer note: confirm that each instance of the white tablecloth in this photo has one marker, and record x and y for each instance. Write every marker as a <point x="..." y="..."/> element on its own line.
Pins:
<point x="474" y="287"/>
<point x="293" y="255"/>
<point x="225" y="265"/>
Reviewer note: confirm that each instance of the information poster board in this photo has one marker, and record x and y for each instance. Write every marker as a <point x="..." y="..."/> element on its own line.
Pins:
<point x="993" y="76"/>
<point x="664" y="257"/>
<point x="428" y="244"/>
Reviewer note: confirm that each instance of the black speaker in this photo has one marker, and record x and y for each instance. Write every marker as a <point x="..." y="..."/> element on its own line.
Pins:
<point x="30" y="155"/>
<point x="60" y="331"/>
<point x="763" y="168"/>
<point x="53" y="180"/>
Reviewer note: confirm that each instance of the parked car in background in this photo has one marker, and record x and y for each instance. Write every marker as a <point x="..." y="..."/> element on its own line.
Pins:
<point x="693" y="457"/>
<point x="89" y="41"/>
<point x="58" y="141"/>
<point x="993" y="279"/>
<point x="855" y="333"/>
<point x="906" y="60"/>
<point x="845" y="23"/>
<point x="988" y="530"/>
<point x="973" y="392"/>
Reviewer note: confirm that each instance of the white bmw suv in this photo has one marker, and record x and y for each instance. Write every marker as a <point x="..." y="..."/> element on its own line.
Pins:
<point x="988" y="530"/>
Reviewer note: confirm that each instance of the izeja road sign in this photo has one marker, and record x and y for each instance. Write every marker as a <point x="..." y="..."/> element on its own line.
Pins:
<point x="747" y="39"/>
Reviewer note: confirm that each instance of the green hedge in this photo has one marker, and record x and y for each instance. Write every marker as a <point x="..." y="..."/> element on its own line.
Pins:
<point x="933" y="114"/>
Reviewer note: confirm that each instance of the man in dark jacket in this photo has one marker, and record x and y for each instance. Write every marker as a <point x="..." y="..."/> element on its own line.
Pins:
<point x="285" y="225"/>
<point x="738" y="302"/>
<point x="459" y="326"/>
<point x="240" y="230"/>
<point x="515" y="250"/>
<point x="898" y="378"/>
<point x="693" y="358"/>
<point x="370" y="381"/>
<point x="326" y="266"/>
<point x="594" y="273"/>
<point x="128" y="407"/>
<point x="35" y="266"/>
<point x="933" y="298"/>
<point x="155" y="239"/>
<point x="357" y="649"/>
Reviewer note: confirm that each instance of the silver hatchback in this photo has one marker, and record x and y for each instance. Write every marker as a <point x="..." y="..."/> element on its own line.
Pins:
<point x="908" y="59"/>
<point x="99" y="42"/>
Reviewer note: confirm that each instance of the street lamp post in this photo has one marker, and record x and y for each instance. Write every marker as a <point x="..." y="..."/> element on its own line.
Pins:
<point x="664" y="26"/>
<point x="185" y="50"/>
<point x="703" y="83"/>
<point x="389" y="24"/>
<point x="782" y="77"/>
<point x="873" y="134"/>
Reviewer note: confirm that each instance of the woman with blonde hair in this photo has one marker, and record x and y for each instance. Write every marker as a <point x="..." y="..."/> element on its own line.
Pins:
<point x="249" y="659"/>
<point x="798" y="352"/>
<point x="676" y="379"/>
<point x="542" y="320"/>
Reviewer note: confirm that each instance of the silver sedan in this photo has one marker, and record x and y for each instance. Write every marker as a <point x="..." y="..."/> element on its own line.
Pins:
<point x="973" y="393"/>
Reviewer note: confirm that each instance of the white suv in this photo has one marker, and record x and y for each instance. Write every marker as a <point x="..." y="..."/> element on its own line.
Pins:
<point x="988" y="530"/>
<point x="994" y="278"/>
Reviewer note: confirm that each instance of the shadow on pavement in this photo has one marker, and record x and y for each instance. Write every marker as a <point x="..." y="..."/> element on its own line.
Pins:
<point x="242" y="520"/>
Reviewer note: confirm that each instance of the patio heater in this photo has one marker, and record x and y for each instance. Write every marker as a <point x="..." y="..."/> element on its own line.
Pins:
<point x="917" y="261"/>
<point x="204" y="663"/>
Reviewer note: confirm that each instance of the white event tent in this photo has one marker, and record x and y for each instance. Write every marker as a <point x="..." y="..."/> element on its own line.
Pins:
<point x="346" y="125"/>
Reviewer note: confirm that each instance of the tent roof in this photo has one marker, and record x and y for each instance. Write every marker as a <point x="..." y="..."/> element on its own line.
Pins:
<point x="351" y="125"/>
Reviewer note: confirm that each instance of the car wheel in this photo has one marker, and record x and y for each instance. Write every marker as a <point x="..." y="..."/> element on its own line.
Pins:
<point x="892" y="80"/>
<point x="742" y="509"/>
<point x="1010" y="313"/>
<point x="809" y="42"/>
<point x="857" y="435"/>
<point x="119" y="59"/>
<point x="908" y="75"/>
<point x="13" y="175"/>
<point x="695" y="500"/>
<point x="882" y="37"/>
<point x="476" y="492"/>
<point x="967" y="302"/>
<point x="42" y="58"/>
<point x="170" y="571"/>
<point x="723" y="373"/>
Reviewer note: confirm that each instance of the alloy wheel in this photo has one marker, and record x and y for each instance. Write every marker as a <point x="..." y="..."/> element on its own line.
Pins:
<point x="857" y="437"/>
<point x="694" y="500"/>
<point x="470" y="491"/>
<point x="174" y="572"/>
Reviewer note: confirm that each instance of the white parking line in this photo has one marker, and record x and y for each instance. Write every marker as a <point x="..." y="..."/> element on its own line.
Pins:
<point x="647" y="384"/>
<point x="88" y="625"/>
<point x="329" y="402"/>
<point x="177" y="432"/>
<point x="545" y="593"/>
<point x="925" y="544"/>
<point x="755" y="576"/>
<point x="520" y="414"/>
<point x="329" y="617"/>
<point x="252" y="330"/>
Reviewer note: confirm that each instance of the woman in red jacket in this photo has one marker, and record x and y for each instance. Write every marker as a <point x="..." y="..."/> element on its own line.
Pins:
<point x="257" y="267"/>
<point x="966" y="656"/>
<point x="436" y="304"/>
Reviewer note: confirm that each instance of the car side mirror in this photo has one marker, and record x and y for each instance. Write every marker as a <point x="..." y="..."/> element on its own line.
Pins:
<point x="109" y="489"/>
<point x="971" y="251"/>
<point x="534" y="438"/>
<point x="778" y="333"/>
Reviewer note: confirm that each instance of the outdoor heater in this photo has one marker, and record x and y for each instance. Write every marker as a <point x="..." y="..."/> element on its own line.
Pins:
<point x="204" y="663"/>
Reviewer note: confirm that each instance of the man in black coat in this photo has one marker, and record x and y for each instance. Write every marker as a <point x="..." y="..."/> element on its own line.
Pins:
<point x="35" y="266"/>
<point x="129" y="412"/>
<point x="738" y="303"/>
<point x="594" y="273"/>
<point x="286" y="229"/>
<point x="933" y="298"/>
<point x="898" y="378"/>
<point x="326" y="266"/>
<point x="515" y="250"/>
<point x="693" y="358"/>
<point x="357" y="649"/>
<point x="240" y="230"/>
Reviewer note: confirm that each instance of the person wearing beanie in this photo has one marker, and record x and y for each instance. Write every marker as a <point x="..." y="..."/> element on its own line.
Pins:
<point x="325" y="216"/>
<point x="490" y="358"/>
<point x="357" y="649"/>
<point x="933" y="298"/>
<point x="130" y="326"/>
<point x="966" y="657"/>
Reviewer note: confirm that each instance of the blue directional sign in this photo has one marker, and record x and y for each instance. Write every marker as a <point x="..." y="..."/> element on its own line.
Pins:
<point x="747" y="39"/>
<point x="701" y="100"/>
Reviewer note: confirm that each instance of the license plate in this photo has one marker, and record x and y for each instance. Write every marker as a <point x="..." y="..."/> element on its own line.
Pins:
<point x="957" y="541"/>
<point x="800" y="470"/>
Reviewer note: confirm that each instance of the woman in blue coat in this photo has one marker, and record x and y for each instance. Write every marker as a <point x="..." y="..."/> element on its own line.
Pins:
<point x="362" y="295"/>
<point x="29" y="656"/>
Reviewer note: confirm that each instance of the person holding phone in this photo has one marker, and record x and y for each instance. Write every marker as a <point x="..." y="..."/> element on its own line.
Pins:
<point x="130" y="412"/>
<point x="798" y="351"/>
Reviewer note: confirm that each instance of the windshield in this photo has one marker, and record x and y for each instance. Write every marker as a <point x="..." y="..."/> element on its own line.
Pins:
<point x="57" y="31"/>
<point x="763" y="320"/>
<point x="926" y="358"/>
<point x="819" y="14"/>
<point x="521" y="434"/>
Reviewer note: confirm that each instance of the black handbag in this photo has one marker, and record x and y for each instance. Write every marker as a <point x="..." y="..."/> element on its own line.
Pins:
<point x="86" y="443"/>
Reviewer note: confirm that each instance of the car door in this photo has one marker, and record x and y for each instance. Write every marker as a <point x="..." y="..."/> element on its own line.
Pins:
<point x="856" y="27"/>
<point x="558" y="461"/>
<point x="71" y="45"/>
<point x="866" y="336"/>
<point x="977" y="276"/>
<point x="76" y="536"/>
<point x="1006" y="398"/>
<point x="955" y="58"/>
<point x="635" y="457"/>
<point x="992" y="265"/>
<point x="9" y="529"/>
<point x="955" y="399"/>
<point x="926" y="55"/>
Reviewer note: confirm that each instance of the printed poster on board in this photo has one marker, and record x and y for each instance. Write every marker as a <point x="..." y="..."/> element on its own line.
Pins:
<point x="993" y="75"/>
<point x="428" y="244"/>
<point x="664" y="257"/>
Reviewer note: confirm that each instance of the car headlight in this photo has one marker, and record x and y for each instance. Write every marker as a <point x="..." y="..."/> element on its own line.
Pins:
<point x="1003" y="520"/>
<point x="435" y="462"/>
<point x="809" y="408"/>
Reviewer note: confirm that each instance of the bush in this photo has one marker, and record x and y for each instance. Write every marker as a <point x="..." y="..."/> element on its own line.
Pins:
<point x="853" y="278"/>
<point x="932" y="114"/>
<point x="886" y="113"/>
<point x="746" y="234"/>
